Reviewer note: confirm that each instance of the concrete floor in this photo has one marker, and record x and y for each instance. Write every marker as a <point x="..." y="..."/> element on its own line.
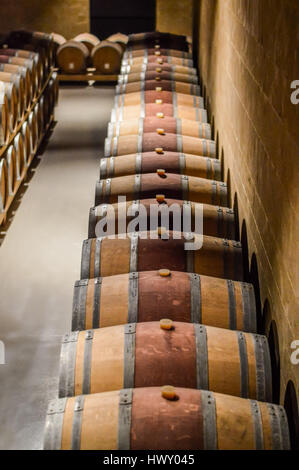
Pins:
<point x="40" y="261"/>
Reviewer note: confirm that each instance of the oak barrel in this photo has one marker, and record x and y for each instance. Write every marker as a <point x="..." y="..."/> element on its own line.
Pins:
<point x="150" y="162"/>
<point x="153" y="124"/>
<point x="142" y="252"/>
<point x="15" y="57"/>
<point x="21" y="89"/>
<point x="216" y="221"/>
<point x="156" y="52"/>
<point x="171" y="185"/>
<point x="13" y="109"/>
<point x="124" y="113"/>
<point x="106" y="57"/>
<point x="4" y="117"/>
<point x="89" y="40"/>
<point x="143" y="418"/>
<point x="159" y="97"/>
<point x="153" y="295"/>
<point x="166" y="85"/>
<point x="18" y="144"/>
<point x="3" y="184"/>
<point x="72" y="57"/>
<point x="159" y="142"/>
<point x="158" y="61"/>
<point x="28" y="85"/>
<point x="157" y="76"/>
<point x="119" y="38"/>
<point x="157" y="67"/>
<point x="164" y="40"/>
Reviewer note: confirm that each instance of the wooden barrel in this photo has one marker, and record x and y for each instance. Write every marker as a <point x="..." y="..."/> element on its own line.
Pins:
<point x="164" y="40"/>
<point x="106" y="57"/>
<point x="164" y="419"/>
<point x="89" y="40"/>
<point x="4" y="117"/>
<point x="19" y="83"/>
<point x="141" y="252"/>
<point x="158" y="61"/>
<point x="18" y="144"/>
<point x="13" y="109"/>
<point x="124" y="113"/>
<point x="18" y="57"/>
<point x="28" y="92"/>
<point x="152" y="66"/>
<point x="3" y="184"/>
<point x="183" y="355"/>
<point x="39" y="117"/>
<point x="25" y="131"/>
<point x="159" y="97"/>
<point x="170" y="185"/>
<point x="10" y="157"/>
<point x="158" y="76"/>
<point x="33" y="131"/>
<point x="119" y="38"/>
<point x="157" y="52"/>
<point x="217" y="221"/>
<point x="72" y="57"/>
<point x="163" y="85"/>
<point x="159" y="142"/>
<point x="171" y="162"/>
<point x="58" y="40"/>
<point x="153" y="124"/>
<point x="152" y="295"/>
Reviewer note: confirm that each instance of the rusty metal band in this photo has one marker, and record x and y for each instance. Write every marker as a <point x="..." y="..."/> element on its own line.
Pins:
<point x="231" y="305"/>
<point x="223" y="194"/>
<point x="202" y="369"/>
<point x="257" y="424"/>
<point x="133" y="298"/>
<point x="67" y="364"/>
<point x="209" y="420"/>
<point x="97" y="258"/>
<point x="220" y="223"/>
<point x="274" y="419"/>
<point x="134" y="253"/>
<point x="54" y="424"/>
<point x="249" y="315"/>
<point x="244" y="379"/>
<point x="129" y="355"/>
<point x="124" y="419"/>
<point x="85" y="259"/>
<point x="77" y="423"/>
<point x="195" y="298"/>
<point x="79" y="305"/>
<point x="214" y="192"/>
<point x="96" y="302"/>
<point x="259" y="365"/>
<point x="87" y="362"/>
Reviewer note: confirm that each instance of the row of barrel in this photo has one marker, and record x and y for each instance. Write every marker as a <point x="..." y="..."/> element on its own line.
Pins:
<point x="86" y="50"/>
<point x="164" y="352"/>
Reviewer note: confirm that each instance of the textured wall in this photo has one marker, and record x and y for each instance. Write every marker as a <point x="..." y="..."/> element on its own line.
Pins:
<point x="174" y="16"/>
<point x="247" y="59"/>
<point x="67" y="17"/>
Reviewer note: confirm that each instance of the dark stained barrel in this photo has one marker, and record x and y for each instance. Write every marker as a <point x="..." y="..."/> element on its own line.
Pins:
<point x="72" y="57"/>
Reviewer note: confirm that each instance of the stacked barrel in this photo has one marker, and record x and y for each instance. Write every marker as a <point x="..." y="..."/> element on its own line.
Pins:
<point x="163" y="352"/>
<point x="28" y="94"/>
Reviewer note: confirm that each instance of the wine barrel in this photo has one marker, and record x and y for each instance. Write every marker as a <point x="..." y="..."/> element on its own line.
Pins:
<point x="152" y="96"/>
<point x="3" y="184"/>
<point x="164" y="419"/>
<point x="171" y="185"/>
<point x="152" y="295"/>
<point x="171" y="162"/>
<point x="158" y="76"/>
<point x="119" y="38"/>
<point x="153" y="124"/>
<point x="164" y="40"/>
<point x="24" y="72"/>
<point x="145" y="53"/>
<point x="150" y="60"/>
<point x="89" y="40"/>
<point x="26" y="59"/>
<point x="154" y="353"/>
<point x="25" y="131"/>
<point x="153" y="66"/>
<point x="124" y="113"/>
<point x="72" y="57"/>
<point x="159" y="142"/>
<point x="58" y="40"/>
<point x="33" y="131"/>
<point x="163" y="85"/>
<point x="217" y="221"/>
<point x="38" y="112"/>
<point x="10" y="157"/>
<point x="20" y="156"/>
<point x="141" y="252"/>
<point x="106" y="57"/>
<point x="4" y="117"/>
<point x="20" y="85"/>
<point x="13" y="109"/>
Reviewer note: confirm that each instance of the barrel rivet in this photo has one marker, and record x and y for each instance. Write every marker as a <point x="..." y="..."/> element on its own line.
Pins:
<point x="166" y="324"/>
<point x="164" y="272"/>
<point x="161" y="172"/>
<point x="160" y="131"/>
<point x="158" y="69"/>
<point x="160" y="198"/>
<point x="157" y="78"/>
<point x="160" y="115"/>
<point x="160" y="60"/>
<point x="159" y="150"/>
<point x="157" y="46"/>
<point x="159" y="88"/>
<point x="168" y="392"/>
<point x="158" y="101"/>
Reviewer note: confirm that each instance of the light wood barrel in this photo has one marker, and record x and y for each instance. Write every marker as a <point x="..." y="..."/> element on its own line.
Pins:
<point x="184" y="355"/>
<point x="4" y="117"/>
<point x="119" y="38"/>
<point x="153" y="124"/>
<point x="18" y="144"/>
<point x="72" y="57"/>
<point x="171" y="185"/>
<point x="156" y="60"/>
<point x="89" y="40"/>
<point x="33" y="131"/>
<point x="13" y="109"/>
<point x="217" y="221"/>
<point x="159" y="142"/>
<point x="124" y="113"/>
<point x="106" y="57"/>
<point x="153" y="295"/>
<point x="159" y="97"/>
<point x="10" y="156"/>
<point x="156" y="67"/>
<point x="141" y="252"/>
<point x="24" y="72"/>
<point x="157" y="52"/>
<point x="150" y="162"/>
<point x="143" y="418"/>
<point x="19" y="83"/>
<point x="3" y="184"/>
<point x="58" y="40"/>
<point x="26" y="59"/>
<point x="26" y="135"/>
<point x="163" y="85"/>
<point x="157" y="76"/>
